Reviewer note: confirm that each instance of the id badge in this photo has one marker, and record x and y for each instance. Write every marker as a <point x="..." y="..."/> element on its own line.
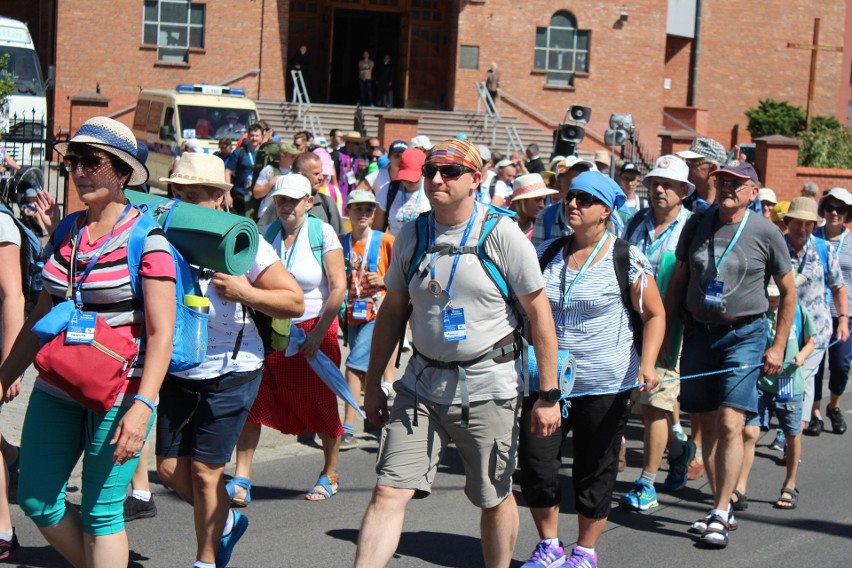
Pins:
<point x="81" y="328"/>
<point x="785" y="388"/>
<point x="350" y="178"/>
<point x="359" y="309"/>
<point x="714" y="293"/>
<point x="454" y="326"/>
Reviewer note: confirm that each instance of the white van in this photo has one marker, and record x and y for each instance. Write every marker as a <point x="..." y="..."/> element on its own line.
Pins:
<point x="165" y="120"/>
<point x="23" y="117"/>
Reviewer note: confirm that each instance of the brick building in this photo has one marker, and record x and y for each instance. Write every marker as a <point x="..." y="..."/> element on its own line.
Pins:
<point x="652" y="58"/>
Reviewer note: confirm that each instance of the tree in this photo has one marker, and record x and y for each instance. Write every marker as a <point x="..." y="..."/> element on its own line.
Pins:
<point x="774" y="117"/>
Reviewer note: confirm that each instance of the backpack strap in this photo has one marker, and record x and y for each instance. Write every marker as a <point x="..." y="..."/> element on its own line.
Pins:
<point x="822" y="250"/>
<point x="315" y="238"/>
<point x="420" y="244"/>
<point x="272" y="231"/>
<point x="800" y="332"/>
<point x="635" y="222"/>
<point x="552" y="250"/>
<point x="621" y="258"/>
<point x="393" y="191"/>
<point x="489" y="221"/>
<point x="492" y="188"/>
<point x="375" y="250"/>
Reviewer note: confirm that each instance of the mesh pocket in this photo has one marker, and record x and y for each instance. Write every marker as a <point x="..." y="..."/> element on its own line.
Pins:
<point x="190" y="345"/>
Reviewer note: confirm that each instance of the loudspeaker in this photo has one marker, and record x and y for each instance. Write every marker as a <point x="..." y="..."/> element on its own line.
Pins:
<point x="570" y="133"/>
<point x="615" y="138"/>
<point x="580" y="114"/>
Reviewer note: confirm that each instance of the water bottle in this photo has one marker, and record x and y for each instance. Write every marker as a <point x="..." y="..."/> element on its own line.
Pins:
<point x="280" y="334"/>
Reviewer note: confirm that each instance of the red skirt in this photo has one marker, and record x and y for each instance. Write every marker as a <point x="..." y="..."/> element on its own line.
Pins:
<point x="292" y="398"/>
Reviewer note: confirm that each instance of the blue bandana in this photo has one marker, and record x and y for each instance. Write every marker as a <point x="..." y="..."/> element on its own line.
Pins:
<point x="605" y="189"/>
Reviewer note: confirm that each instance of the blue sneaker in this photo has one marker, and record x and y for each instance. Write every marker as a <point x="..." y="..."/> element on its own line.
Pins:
<point x="678" y="468"/>
<point x="546" y="556"/>
<point x="779" y="443"/>
<point x="642" y="497"/>
<point x="580" y="559"/>
<point x="229" y="541"/>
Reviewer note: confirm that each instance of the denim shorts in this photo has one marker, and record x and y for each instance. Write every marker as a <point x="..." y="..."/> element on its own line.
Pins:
<point x="788" y="412"/>
<point x="360" y="338"/>
<point x="706" y="351"/>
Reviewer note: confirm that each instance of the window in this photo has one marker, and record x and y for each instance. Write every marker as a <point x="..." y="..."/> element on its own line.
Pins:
<point x="561" y="49"/>
<point x="469" y="57"/>
<point x="174" y="26"/>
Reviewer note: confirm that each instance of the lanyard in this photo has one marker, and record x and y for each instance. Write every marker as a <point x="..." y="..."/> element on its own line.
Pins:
<point x="457" y="256"/>
<point x="251" y="157"/>
<point x="364" y="261"/>
<point x="733" y="242"/>
<point x="651" y="248"/>
<point x="566" y="294"/>
<point x="804" y="255"/>
<point x="842" y="239"/>
<point x="78" y="298"/>
<point x="289" y="255"/>
<point x="416" y="207"/>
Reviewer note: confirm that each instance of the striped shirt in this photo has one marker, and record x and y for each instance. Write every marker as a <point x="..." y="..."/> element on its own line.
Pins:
<point x="844" y="255"/>
<point x="594" y="325"/>
<point x="107" y="289"/>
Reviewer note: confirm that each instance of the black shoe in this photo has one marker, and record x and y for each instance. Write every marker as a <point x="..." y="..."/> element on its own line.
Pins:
<point x="138" y="509"/>
<point x="838" y="424"/>
<point x="815" y="427"/>
<point x="6" y="547"/>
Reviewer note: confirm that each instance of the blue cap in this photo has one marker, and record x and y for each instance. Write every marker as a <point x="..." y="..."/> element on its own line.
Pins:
<point x="461" y="136"/>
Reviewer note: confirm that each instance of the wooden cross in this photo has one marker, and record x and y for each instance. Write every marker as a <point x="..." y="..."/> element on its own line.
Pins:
<point x="814" y="47"/>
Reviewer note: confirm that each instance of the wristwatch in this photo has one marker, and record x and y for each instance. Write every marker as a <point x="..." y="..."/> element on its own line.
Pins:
<point x="553" y="395"/>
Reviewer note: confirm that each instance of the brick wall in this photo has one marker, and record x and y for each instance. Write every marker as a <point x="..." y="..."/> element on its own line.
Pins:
<point x="776" y="159"/>
<point x="678" y="61"/>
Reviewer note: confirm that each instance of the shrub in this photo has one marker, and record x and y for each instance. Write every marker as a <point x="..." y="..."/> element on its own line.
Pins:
<point x="774" y="117"/>
<point x="826" y="148"/>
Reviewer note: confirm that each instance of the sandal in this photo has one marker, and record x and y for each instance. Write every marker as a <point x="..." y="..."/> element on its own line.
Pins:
<point x="789" y="502"/>
<point x="328" y="486"/>
<point x="716" y="534"/>
<point x="741" y="504"/>
<point x="231" y="488"/>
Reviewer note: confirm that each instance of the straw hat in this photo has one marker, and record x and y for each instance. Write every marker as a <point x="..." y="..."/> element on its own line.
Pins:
<point x="201" y="169"/>
<point x="602" y="157"/>
<point x="354" y="136"/>
<point x="803" y="208"/>
<point x="547" y="176"/>
<point x="113" y="137"/>
<point x="530" y="186"/>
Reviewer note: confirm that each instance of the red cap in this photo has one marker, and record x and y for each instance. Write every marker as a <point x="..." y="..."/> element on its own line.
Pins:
<point x="411" y="165"/>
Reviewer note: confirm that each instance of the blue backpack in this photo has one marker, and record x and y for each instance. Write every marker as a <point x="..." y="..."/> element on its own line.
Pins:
<point x="190" y="336"/>
<point x="372" y="254"/>
<point x="822" y="251"/>
<point x="32" y="261"/>
<point x="314" y="236"/>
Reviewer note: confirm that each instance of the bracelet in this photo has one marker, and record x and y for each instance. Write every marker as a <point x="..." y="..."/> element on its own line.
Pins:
<point x="842" y="316"/>
<point x="146" y="401"/>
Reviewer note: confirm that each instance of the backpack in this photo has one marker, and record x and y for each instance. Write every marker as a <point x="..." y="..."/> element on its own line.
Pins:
<point x="635" y="223"/>
<point x="190" y="335"/>
<point x="621" y="264"/>
<point x="32" y="262"/>
<point x="267" y="155"/>
<point x="822" y="251"/>
<point x="393" y="191"/>
<point x="314" y="236"/>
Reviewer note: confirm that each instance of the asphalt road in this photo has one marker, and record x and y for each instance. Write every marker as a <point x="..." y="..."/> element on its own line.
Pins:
<point x="286" y="530"/>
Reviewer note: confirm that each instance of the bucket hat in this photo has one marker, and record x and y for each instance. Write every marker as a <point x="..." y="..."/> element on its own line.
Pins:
<point x="201" y="169"/>
<point x="840" y="194"/>
<point x="803" y="208"/>
<point x="114" y="138"/>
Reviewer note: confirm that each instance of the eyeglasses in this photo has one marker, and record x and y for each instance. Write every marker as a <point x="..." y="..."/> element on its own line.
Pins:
<point x="448" y="172"/>
<point x="89" y="163"/>
<point x="583" y="199"/>
<point x="839" y="209"/>
<point x="734" y="184"/>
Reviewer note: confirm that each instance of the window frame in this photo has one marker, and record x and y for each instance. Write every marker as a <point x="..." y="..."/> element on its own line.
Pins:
<point x="189" y="35"/>
<point x="555" y="76"/>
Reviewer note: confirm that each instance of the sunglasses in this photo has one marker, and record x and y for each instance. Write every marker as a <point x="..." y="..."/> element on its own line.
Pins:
<point x="839" y="209"/>
<point x="89" y="163"/>
<point x="582" y="198"/>
<point x="448" y="172"/>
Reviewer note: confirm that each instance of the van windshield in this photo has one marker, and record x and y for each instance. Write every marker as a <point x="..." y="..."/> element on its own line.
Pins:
<point x="214" y="123"/>
<point x="23" y="66"/>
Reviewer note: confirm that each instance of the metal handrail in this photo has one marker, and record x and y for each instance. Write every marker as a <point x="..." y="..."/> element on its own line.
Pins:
<point x="300" y="92"/>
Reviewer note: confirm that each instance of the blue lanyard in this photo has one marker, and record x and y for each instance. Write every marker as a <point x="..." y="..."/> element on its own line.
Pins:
<point x="733" y="242"/>
<point x="651" y="248"/>
<point x="78" y="297"/>
<point x="292" y="252"/>
<point x="416" y="207"/>
<point x="457" y="256"/>
<point x="566" y="294"/>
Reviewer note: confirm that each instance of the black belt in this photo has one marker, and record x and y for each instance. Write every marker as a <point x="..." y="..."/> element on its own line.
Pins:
<point x="717" y="328"/>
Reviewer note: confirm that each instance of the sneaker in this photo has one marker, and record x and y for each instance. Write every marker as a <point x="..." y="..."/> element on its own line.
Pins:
<point x="838" y="424"/>
<point x="349" y="442"/>
<point x="546" y="555"/>
<point x="642" y="497"/>
<point x="580" y="559"/>
<point x="815" y="427"/>
<point x="678" y="468"/>
<point x="779" y="443"/>
<point x="138" y="509"/>
<point x="6" y="547"/>
<point x="680" y="435"/>
<point x="229" y="541"/>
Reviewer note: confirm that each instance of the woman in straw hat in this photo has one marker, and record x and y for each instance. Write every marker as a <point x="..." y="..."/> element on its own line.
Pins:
<point x="101" y="159"/>
<point x="203" y="410"/>
<point x="528" y="198"/>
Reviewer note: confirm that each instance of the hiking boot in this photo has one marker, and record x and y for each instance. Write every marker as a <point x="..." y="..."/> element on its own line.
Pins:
<point x="138" y="509"/>
<point x="6" y="547"/>
<point x="678" y="468"/>
<point x="547" y="556"/>
<point x="838" y="424"/>
<point x="349" y="442"/>
<point x="642" y="497"/>
<point x="815" y="427"/>
<point x="580" y="559"/>
<point x="779" y="443"/>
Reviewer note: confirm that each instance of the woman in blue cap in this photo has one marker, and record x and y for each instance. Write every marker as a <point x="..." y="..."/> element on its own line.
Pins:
<point x="595" y="324"/>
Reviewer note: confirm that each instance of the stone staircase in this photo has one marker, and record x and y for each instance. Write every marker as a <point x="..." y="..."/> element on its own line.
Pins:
<point x="437" y="125"/>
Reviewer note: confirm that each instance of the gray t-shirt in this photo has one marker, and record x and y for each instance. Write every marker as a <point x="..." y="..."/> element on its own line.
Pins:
<point x="759" y="253"/>
<point x="9" y="231"/>
<point x="488" y="318"/>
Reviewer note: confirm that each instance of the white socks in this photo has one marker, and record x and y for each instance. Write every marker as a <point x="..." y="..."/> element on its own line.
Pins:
<point x="229" y="524"/>
<point x="141" y="495"/>
<point x="200" y="564"/>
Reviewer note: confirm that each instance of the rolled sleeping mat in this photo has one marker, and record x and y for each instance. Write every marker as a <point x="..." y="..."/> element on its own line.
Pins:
<point x="205" y="237"/>
<point x="565" y="365"/>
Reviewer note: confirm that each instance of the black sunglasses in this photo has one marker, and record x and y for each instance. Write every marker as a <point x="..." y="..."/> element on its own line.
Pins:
<point x="582" y="198"/>
<point x="448" y="172"/>
<point x="89" y="163"/>
<point x="840" y="209"/>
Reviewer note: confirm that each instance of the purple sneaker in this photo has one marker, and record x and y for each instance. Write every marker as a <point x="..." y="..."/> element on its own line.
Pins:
<point x="546" y="556"/>
<point x="580" y="559"/>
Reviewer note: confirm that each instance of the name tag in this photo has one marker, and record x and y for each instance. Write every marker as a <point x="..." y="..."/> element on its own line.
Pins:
<point x="359" y="309"/>
<point x="81" y="328"/>
<point x="714" y="293"/>
<point x="454" y="326"/>
<point x="350" y="178"/>
<point x="785" y="388"/>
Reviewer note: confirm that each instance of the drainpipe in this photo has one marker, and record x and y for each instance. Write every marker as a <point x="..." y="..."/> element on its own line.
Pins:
<point x="696" y="43"/>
